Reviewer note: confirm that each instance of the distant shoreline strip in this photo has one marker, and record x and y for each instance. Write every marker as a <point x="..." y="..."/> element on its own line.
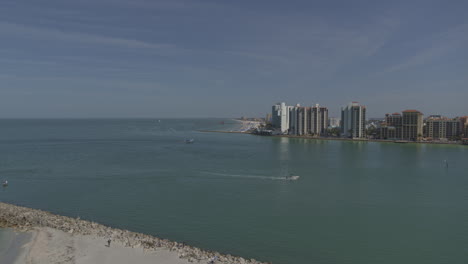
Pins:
<point x="339" y="139"/>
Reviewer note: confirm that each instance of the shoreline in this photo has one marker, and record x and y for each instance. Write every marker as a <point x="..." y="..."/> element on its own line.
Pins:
<point x="341" y="139"/>
<point x="13" y="245"/>
<point x="84" y="241"/>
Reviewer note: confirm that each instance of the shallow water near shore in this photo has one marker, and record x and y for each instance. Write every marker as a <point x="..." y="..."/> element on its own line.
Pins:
<point x="355" y="202"/>
<point x="11" y="244"/>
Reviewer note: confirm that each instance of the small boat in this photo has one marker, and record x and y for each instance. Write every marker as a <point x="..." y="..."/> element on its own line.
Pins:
<point x="292" y="178"/>
<point x="5" y="183"/>
<point x="189" y="141"/>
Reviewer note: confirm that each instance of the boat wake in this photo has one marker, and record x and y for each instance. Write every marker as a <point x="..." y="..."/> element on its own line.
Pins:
<point x="260" y="177"/>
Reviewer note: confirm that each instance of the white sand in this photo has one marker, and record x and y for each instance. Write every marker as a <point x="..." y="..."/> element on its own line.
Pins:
<point x="54" y="246"/>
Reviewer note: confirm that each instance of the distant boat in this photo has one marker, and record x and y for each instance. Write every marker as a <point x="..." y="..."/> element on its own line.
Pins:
<point x="401" y="141"/>
<point x="5" y="183"/>
<point x="189" y="141"/>
<point x="292" y="178"/>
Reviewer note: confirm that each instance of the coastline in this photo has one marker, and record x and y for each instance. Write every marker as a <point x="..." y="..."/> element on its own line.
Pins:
<point x="61" y="239"/>
<point x="341" y="139"/>
<point x="245" y="127"/>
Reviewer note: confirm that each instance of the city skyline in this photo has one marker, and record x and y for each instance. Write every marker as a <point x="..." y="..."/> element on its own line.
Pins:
<point x="177" y="58"/>
<point x="410" y="125"/>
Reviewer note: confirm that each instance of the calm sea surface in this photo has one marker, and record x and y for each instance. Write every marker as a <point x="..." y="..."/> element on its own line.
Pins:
<point x="355" y="202"/>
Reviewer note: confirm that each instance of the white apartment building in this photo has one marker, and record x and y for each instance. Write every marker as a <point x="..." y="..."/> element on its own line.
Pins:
<point x="353" y="120"/>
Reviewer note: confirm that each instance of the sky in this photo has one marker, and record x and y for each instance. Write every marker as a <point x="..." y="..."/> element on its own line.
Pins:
<point x="213" y="58"/>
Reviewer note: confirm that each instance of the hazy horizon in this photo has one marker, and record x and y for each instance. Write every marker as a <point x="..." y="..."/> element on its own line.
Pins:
<point x="196" y="59"/>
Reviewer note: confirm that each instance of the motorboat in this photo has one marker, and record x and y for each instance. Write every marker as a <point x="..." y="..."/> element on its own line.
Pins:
<point x="5" y="183"/>
<point x="292" y="177"/>
<point x="189" y="141"/>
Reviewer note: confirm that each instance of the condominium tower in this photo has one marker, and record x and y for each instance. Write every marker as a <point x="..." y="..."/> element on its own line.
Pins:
<point x="392" y="127"/>
<point x="308" y="120"/>
<point x="438" y="127"/>
<point x="353" y="120"/>
<point x="280" y="117"/>
<point x="318" y="120"/>
<point x="412" y="125"/>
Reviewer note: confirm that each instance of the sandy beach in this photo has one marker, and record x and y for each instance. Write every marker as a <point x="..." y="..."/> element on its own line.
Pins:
<point x="38" y="237"/>
<point x="47" y="245"/>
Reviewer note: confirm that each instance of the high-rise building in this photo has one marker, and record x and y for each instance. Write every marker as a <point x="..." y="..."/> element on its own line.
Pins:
<point x="308" y="120"/>
<point x="353" y="120"/>
<point x="392" y="127"/>
<point x="412" y="125"/>
<point x="280" y="117"/>
<point x="454" y="128"/>
<point x="298" y="120"/>
<point x="464" y="125"/>
<point x="318" y="120"/>
<point x="438" y="127"/>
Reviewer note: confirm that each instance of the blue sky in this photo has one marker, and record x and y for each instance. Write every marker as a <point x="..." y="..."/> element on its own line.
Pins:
<point x="178" y="58"/>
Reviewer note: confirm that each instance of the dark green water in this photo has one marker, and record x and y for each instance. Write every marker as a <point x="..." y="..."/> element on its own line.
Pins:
<point x="355" y="202"/>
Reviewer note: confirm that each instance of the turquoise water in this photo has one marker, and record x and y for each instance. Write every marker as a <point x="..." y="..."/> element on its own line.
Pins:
<point x="356" y="202"/>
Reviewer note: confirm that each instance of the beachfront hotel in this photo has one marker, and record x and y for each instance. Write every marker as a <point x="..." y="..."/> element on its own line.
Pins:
<point x="353" y="120"/>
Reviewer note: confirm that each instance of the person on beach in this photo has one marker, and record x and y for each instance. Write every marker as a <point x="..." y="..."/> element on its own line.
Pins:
<point x="108" y="242"/>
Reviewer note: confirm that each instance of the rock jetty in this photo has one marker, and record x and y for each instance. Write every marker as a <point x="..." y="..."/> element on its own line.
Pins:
<point x="25" y="219"/>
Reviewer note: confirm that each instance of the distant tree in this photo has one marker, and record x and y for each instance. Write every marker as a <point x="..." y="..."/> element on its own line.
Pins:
<point x="334" y="131"/>
<point x="420" y="135"/>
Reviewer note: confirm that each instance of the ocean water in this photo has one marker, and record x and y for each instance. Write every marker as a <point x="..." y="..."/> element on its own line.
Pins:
<point x="355" y="202"/>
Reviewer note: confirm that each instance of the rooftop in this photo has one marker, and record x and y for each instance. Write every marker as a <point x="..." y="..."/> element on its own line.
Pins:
<point x="411" y="111"/>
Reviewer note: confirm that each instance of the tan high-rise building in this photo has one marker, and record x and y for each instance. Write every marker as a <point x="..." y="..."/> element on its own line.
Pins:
<point x="392" y="128"/>
<point x="412" y="125"/>
<point x="318" y="120"/>
<point x="464" y="125"/>
<point x="442" y="127"/>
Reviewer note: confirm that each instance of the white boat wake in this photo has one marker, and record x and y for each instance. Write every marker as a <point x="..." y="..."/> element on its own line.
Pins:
<point x="260" y="177"/>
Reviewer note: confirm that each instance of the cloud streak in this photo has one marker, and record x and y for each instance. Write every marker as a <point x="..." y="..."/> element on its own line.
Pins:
<point x="48" y="33"/>
<point x="440" y="45"/>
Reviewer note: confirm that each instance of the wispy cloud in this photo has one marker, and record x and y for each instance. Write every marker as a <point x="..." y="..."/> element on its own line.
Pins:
<point x="437" y="46"/>
<point x="49" y="33"/>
